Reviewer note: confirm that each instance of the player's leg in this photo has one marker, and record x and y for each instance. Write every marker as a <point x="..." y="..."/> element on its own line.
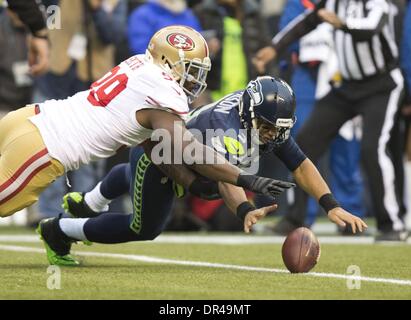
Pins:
<point x="58" y="235"/>
<point x="329" y="114"/>
<point x="152" y="197"/>
<point x="26" y="168"/>
<point x="379" y="115"/>
<point x="82" y="179"/>
<point x="90" y="204"/>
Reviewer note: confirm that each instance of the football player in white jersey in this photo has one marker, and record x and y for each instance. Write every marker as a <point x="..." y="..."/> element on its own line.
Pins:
<point x="39" y="143"/>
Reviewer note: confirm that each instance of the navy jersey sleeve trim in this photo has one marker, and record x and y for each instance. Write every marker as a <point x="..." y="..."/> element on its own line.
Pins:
<point x="290" y="154"/>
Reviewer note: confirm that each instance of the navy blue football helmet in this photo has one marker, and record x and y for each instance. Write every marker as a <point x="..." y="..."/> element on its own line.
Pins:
<point x="270" y="100"/>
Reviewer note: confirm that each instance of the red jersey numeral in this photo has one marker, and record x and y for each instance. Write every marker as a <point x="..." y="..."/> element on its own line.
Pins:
<point x="107" y="88"/>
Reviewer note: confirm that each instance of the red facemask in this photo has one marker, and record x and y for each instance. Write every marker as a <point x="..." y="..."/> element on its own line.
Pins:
<point x="307" y="4"/>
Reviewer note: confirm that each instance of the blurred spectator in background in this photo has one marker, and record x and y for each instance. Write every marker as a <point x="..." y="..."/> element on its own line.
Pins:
<point x="372" y="85"/>
<point x="272" y="11"/>
<point x="314" y="61"/>
<point x="16" y="84"/>
<point x="133" y="4"/>
<point x="146" y="19"/>
<point x="406" y="67"/>
<point x="82" y="52"/>
<point x="29" y="13"/>
<point x="193" y="3"/>
<point x="24" y="52"/>
<point x="235" y="31"/>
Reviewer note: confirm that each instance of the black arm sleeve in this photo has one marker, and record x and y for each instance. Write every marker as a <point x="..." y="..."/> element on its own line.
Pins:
<point x="298" y="27"/>
<point x="290" y="154"/>
<point x="28" y="12"/>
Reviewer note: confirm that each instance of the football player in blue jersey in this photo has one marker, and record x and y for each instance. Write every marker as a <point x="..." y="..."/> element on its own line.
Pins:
<point x="240" y="126"/>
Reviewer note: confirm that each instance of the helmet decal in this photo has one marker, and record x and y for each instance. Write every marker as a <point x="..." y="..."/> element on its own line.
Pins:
<point x="182" y="52"/>
<point x="254" y="90"/>
<point x="180" y="41"/>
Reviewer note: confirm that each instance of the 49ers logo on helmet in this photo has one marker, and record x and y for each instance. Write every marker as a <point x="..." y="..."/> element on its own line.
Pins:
<point x="180" y="41"/>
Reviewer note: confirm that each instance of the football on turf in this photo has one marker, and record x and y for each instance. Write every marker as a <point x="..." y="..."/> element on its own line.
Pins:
<point x="301" y="250"/>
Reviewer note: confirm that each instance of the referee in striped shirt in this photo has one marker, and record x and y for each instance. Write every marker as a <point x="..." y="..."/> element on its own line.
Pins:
<point x="368" y="56"/>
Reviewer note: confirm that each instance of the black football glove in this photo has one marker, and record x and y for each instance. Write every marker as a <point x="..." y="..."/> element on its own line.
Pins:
<point x="266" y="186"/>
<point x="205" y="189"/>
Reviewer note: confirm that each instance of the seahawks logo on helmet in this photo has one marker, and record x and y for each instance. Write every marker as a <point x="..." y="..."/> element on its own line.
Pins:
<point x="255" y="92"/>
<point x="270" y="100"/>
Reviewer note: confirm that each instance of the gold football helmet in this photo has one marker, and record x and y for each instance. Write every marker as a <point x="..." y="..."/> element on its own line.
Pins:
<point x="183" y="52"/>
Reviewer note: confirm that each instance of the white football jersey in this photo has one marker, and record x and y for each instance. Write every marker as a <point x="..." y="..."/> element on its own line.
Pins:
<point x="94" y="124"/>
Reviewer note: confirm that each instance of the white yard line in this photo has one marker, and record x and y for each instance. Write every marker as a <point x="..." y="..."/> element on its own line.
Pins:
<point x="148" y="259"/>
<point x="19" y="238"/>
<point x="223" y="239"/>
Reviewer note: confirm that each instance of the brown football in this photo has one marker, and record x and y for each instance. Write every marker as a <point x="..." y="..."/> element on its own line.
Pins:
<point x="301" y="250"/>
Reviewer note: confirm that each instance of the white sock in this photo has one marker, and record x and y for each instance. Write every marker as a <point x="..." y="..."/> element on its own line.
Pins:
<point x="73" y="228"/>
<point x="408" y="193"/>
<point x="96" y="201"/>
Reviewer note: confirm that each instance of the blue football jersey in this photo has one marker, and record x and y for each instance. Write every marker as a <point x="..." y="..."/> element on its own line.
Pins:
<point x="218" y="125"/>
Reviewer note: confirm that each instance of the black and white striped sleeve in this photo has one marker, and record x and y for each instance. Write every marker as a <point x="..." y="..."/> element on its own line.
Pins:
<point x="363" y="28"/>
<point x="298" y="27"/>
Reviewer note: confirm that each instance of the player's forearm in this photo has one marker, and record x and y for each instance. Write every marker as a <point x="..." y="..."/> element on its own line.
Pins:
<point x="233" y="196"/>
<point x="216" y="167"/>
<point x="310" y="180"/>
<point x="185" y="149"/>
<point x="205" y="161"/>
<point x="178" y="173"/>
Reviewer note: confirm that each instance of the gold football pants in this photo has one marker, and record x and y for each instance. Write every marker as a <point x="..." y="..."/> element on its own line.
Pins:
<point x="26" y="168"/>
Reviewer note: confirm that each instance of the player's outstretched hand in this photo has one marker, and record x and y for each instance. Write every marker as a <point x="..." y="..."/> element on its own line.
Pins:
<point x="341" y="217"/>
<point x="266" y="186"/>
<point x="253" y="216"/>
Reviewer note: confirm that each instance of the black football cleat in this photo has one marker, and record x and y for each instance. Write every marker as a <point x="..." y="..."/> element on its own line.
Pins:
<point x="75" y="205"/>
<point x="57" y="244"/>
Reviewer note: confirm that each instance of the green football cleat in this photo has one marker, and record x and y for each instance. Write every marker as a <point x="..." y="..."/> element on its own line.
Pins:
<point x="57" y="244"/>
<point x="76" y="206"/>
